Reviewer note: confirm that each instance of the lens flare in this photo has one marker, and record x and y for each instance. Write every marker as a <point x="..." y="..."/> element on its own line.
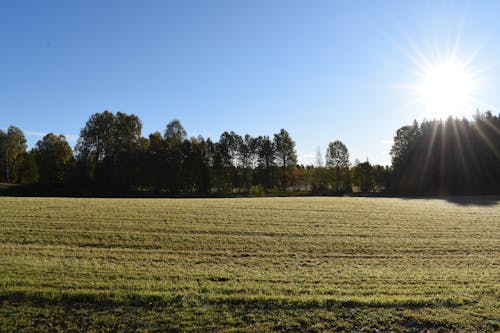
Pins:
<point x="447" y="89"/>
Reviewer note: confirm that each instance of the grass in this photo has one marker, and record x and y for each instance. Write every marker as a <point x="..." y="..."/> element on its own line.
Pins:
<point x="256" y="264"/>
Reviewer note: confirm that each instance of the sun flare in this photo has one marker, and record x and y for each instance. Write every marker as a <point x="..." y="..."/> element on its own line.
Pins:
<point x="447" y="89"/>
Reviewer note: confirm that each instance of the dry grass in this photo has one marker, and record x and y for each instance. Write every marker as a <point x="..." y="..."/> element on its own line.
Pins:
<point x="257" y="264"/>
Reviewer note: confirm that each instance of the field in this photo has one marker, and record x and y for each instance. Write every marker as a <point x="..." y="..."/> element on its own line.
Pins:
<point x="256" y="264"/>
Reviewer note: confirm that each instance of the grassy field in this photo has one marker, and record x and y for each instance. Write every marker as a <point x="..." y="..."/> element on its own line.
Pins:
<point x="256" y="264"/>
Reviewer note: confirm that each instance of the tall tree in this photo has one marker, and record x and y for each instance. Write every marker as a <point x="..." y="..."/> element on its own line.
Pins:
<point x="106" y="150"/>
<point x="448" y="157"/>
<point x="175" y="132"/>
<point x="127" y="131"/>
<point x="337" y="158"/>
<point x="363" y="176"/>
<point x="53" y="156"/>
<point x="4" y="163"/>
<point x="265" y="153"/>
<point x="154" y="164"/>
<point x="28" y="169"/>
<point x="248" y="159"/>
<point x="196" y="165"/>
<point x="127" y="152"/>
<point x="226" y="159"/>
<point x="286" y="157"/>
<point x="97" y="137"/>
<point x="174" y="138"/>
<point x="402" y="152"/>
<point x="318" y="159"/>
<point x="12" y="151"/>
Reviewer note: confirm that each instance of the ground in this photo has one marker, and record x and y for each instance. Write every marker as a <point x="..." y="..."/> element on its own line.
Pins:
<point x="253" y="264"/>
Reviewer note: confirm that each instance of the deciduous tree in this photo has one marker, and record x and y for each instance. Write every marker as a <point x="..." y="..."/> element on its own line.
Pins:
<point x="53" y="156"/>
<point x="337" y="159"/>
<point x="286" y="157"/>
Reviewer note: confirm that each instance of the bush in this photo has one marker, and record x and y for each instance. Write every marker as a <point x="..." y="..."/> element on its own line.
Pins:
<point x="257" y="191"/>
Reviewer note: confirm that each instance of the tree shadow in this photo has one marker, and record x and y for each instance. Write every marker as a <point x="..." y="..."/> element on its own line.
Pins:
<point x="478" y="200"/>
<point x="462" y="200"/>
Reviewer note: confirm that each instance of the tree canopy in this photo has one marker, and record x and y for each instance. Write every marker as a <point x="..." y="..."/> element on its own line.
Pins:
<point x="337" y="158"/>
<point x="112" y="157"/>
<point x="53" y="156"/>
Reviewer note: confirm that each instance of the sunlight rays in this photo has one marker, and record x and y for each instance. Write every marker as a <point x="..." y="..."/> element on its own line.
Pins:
<point x="446" y="88"/>
<point x="487" y="140"/>
<point x="460" y="146"/>
<point x="445" y="81"/>
<point x="428" y="154"/>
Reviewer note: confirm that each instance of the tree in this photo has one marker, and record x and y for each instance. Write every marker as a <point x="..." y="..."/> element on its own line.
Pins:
<point x="317" y="175"/>
<point x="226" y="160"/>
<point x="448" y="157"/>
<point x="4" y="163"/>
<point x="402" y="152"/>
<point x="318" y="160"/>
<point x="456" y="156"/>
<point x="127" y="132"/>
<point x="97" y="137"/>
<point x="405" y="137"/>
<point x="229" y="147"/>
<point x="265" y="152"/>
<point x="28" y="169"/>
<point x="316" y="179"/>
<point x="106" y="151"/>
<point x="175" y="133"/>
<point x="53" y="156"/>
<point x="286" y="156"/>
<point x="155" y="157"/>
<point x="248" y="159"/>
<point x="127" y="152"/>
<point x="363" y="176"/>
<point x="12" y="151"/>
<point x="337" y="158"/>
<point x="174" y="137"/>
<point x="196" y="165"/>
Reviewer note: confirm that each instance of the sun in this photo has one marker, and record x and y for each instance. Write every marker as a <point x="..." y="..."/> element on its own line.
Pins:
<point x="447" y="89"/>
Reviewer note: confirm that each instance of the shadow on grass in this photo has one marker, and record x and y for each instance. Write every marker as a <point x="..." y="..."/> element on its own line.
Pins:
<point x="16" y="190"/>
<point x="486" y="200"/>
<point x="80" y="311"/>
<point x="462" y="200"/>
<point x="260" y="302"/>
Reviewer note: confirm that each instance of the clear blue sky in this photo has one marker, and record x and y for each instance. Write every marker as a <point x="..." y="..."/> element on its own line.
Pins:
<point x="323" y="70"/>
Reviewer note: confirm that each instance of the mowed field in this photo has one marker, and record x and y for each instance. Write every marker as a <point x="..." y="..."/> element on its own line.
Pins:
<point x="255" y="264"/>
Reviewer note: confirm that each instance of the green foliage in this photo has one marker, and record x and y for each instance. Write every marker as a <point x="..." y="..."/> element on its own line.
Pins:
<point x="455" y="156"/>
<point x="28" y="168"/>
<point x="337" y="160"/>
<point x="363" y="176"/>
<point x="53" y="157"/>
<point x="12" y="152"/>
<point x="256" y="264"/>
<point x="109" y="152"/>
<point x="175" y="132"/>
<point x="316" y="179"/>
<point x="286" y="157"/>
<point x="448" y="156"/>
<point x="257" y="190"/>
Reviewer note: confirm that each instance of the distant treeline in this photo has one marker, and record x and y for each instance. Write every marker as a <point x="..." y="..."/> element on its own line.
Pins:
<point x="112" y="157"/>
<point x="452" y="156"/>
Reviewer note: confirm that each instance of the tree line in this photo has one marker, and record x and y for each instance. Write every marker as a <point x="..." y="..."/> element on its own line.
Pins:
<point x="113" y="157"/>
<point x="448" y="157"/>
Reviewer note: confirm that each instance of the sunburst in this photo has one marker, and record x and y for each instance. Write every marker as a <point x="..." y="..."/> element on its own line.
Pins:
<point x="447" y="86"/>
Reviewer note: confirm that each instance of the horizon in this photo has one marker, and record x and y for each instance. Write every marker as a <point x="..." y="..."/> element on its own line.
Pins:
<point x="323" y="71"/>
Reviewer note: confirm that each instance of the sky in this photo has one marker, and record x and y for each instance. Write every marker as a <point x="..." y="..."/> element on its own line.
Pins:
<point x="323" y="70"/>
